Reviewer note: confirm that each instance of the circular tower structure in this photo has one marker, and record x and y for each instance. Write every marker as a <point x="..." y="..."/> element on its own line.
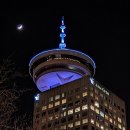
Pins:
<point x="55" y="67"/>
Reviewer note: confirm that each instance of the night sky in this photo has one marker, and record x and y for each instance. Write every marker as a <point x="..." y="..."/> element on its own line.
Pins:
<point x="102" y="33"/>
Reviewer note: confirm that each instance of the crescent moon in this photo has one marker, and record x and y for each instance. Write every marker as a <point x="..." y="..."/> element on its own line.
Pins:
<point x="20" y="27"/>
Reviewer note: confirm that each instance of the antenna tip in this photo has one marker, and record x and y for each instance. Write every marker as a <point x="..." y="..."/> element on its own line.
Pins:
<point x="62" y="20"/>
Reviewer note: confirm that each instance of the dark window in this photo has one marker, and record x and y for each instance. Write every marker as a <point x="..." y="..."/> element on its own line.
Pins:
<point x="70" y="118"/>
<point x="56" y="109"/>
<point x="49" y="125"/>
<point x="63" y="120"/>
<point x="101" y="107"/>
<point x="97" y="118"/>
<point x="77" y="116"/>
<point x="85" y="127"/>
<point x="70" y="105"/>
<point x="77" y="128"/>
<point x="37" y="116"/>
<point x="92" y="101"/>
<point x="50" y="111"/>
<point x="84" y="100"/>
<point x="118" y="107"/>
<point x="37" y="110"/>
<point x="77" y="102"/>
<point x="70" y="92"/>
<point x="44" y="127"/>
<point x="101" y="101"/>
<point x="85" y="113"/>
<point x="77" y="89"/>
<point x="92" y="128"/>
<point x="106" y="110"/>
<point x="44" y="113"/>
<point x="122" y="110"/>
<point x="123" y="116"/>
<point x="70" y="99"/>
<point x="56" y="122"/>
<point x="111" y="126"/>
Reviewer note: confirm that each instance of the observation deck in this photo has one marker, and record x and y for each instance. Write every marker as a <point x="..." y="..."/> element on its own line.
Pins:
<point x="55" y="67"/>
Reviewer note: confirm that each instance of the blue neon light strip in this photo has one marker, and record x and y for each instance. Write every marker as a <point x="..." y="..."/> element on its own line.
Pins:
<point x="47" y="51"/>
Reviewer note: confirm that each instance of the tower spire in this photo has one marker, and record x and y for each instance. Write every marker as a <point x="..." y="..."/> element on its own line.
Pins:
<point x="62" y="34"/>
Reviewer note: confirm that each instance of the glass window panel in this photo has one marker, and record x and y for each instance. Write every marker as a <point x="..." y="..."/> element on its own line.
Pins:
<point x="70" y="111"/>
<point x="77" y="109"/>
<point x="84" y="121"/>
<point x="85" y="107"/>
<point x="63" y="101"/>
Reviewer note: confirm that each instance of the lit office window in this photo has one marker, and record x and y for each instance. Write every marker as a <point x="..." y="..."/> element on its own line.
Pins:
<point x="84" y="94"/>
<point x="63" y="94"/>
<point x="101" y="114"/>
<point x="97" y="110"/>
<point x="50" y="118"/>
<point x="119" y="125"/>
<point x="91" y="94"/>
<point x="102" y="128"/>
<point x="92" y="121"/>
<point x="97" y="124"/>
<point x="63" y="114"/>
<point x="96" y="104"/>
<point x="119" y="119"/>
<point x="77" y="109"/>
<point x="57" y="103"/>
<point x="77" y="123"/>
<point x="63" y="127"/>
<point x="84" y="121"/>
<point x="57" y="97"/>
<point x="50" y="99"/>
<point x="114" y="116"/>
<point x="63" y="101"/>
<point x="115" y="123"/>
<point x="70" y="111"/>
<point x="92" y="107"/>
<point x="85" y="107"/>
<point x="96" y="97"/>
<point x="105" y="104"/>
<point x="106" y="117"/>
<point x="70" y="125"/>
<point x="50" y="105"/>
<point x="110" y="119"/>
<point x="44" y="107"/>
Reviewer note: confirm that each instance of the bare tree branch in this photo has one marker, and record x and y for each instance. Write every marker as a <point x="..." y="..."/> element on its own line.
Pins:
<point x="9" y="96"/>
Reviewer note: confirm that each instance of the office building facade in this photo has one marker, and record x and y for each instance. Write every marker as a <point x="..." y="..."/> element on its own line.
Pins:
<point x="70" y="98"/>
